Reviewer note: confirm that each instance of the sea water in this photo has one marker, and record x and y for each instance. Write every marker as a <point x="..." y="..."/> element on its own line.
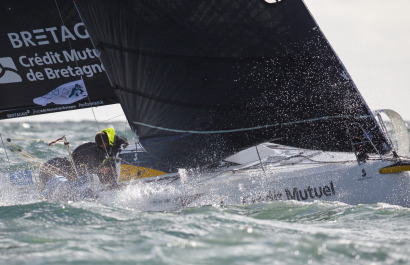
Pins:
<point x="38" y="231"/>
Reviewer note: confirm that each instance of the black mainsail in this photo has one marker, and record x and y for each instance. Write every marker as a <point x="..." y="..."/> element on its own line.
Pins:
<point x="201" y="79"/>
<point x="47" y="62"/>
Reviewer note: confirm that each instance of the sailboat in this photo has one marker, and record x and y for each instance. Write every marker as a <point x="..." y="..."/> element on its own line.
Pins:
<point x="212" y="90"/>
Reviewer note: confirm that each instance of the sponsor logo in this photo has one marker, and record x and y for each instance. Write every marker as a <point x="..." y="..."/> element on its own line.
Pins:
<point x="91" y="104"/>
<point x="47" y="36"/>
<point x="18" y="114"/>
<point x="65" y="94"/>
<point x="8" y="71"/>
<point x="310" y="192"/>
<point x="292" y="194"/>
<point x="52" y="64"/>
<point x="270" y="196"/>
<point x="54" y="57"/>
<point x="21" y="177"/>
<point x="46" y="110"/>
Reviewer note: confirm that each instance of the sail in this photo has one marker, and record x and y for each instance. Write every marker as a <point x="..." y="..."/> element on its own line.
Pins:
<point x="47" y="60"/>
<point x="200" y="80"/>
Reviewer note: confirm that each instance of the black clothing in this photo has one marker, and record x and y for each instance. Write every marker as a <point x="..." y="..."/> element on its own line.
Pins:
<point x="118" y="142"/>
<point x="58" y="165"/>
<point x="88" y="157"/>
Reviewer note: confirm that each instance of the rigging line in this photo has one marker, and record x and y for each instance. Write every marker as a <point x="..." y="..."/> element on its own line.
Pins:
<point x="28" y="139"/>
<point x="41" y="140"/>
<point x="260" y="160"/>
<point x="385" y="131"/>
<point x="105" y="148"/>
<point x="253" y="128"/>
<point x="35" y="161"/>
<point x="5" y="150"/>
<point x="62" y="21"/>
<point x="347" y="74"/>
<point x="66" y="143"/>
<point x="30" y="158"/>
<point x="89" y="100"/>
<point x="274" y="167"/>
<point x="125" y="127"/>
<point x="50" y="169"/>
<point x="76" y="61"/>
<point x="47" y="167"/>
<point x="328" y="162"/>
<point x="73" y="132"/>
<point x="26" y="154"/>
<point x="95" y="118"/>
<point x="21" y="150"/>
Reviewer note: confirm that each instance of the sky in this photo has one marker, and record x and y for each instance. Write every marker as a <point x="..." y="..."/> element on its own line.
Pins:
<point x="371" y="37"/>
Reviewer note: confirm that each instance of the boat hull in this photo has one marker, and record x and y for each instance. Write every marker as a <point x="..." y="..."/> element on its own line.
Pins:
<point x="348" y="183"/>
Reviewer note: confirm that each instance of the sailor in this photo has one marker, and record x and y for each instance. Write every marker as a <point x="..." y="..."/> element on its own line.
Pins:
<point x="110" y="144"/>
<point x="88" y="158"/>
<point x="57" y="165"/>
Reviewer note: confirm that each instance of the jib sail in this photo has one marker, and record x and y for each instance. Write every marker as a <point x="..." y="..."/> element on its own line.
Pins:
<point x="47" y="60"/>
<point x="199" y="80"/>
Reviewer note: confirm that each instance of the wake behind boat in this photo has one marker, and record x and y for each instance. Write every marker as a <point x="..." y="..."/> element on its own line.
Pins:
<point x="202" y="85"/>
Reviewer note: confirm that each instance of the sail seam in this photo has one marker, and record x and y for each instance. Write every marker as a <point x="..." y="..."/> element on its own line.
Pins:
<point x="252" y="128"/>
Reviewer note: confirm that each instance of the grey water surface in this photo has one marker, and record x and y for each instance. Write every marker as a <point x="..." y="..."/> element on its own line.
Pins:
<point x="37" y="231"/>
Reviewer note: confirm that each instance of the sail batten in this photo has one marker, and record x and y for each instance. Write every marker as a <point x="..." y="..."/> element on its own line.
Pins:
<point x="199" y="80"/>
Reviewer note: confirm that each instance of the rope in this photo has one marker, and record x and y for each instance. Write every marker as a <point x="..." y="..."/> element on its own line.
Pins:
<point x="50" y="169"/>
<point x="5" y="149"/>
<point x="76" y="62"/>
<point x="22" y="151"/>
<point x="37" y="162"/>
<point x="92" y="109"/>
<point x="74" y="132"/>
<point x="260" y="160"/>
<point x="28" y="139"/>
<point x="55" y="141"/>
<point x="66" y="143"/>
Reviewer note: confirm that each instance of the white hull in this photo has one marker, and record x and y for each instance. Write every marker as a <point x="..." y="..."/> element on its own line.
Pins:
<point x="287" y="174"/>
<point x="270" y="172"/>
<point x="345" y="182"/>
